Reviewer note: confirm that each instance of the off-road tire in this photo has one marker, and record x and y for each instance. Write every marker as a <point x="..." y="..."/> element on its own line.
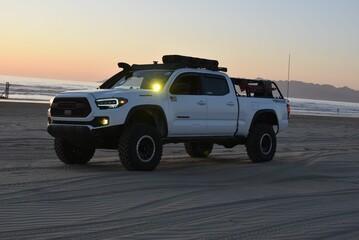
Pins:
<point x="261" y="143"/>
<point x="71" y="154"/>
<point x="132" y="144"/>
<point x="198" y="149"/>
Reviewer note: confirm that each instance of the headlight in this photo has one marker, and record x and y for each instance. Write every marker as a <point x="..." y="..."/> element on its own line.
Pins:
<point x="110" y="103"/>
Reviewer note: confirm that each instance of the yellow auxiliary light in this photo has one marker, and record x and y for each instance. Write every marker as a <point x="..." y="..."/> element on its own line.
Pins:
<point x="156" y="87"/>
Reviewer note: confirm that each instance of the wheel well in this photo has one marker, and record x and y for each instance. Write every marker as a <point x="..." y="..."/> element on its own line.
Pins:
<point x="265" y="116"/>
<point x="152" y="115"/>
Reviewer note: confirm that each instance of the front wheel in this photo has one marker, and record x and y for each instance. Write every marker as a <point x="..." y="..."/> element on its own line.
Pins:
<point x="140" y="148"/>
<point x="72" y="154"/>
<point x="261" y="143"/>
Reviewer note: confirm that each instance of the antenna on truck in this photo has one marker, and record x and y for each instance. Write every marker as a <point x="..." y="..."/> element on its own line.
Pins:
<point x="289" y="68"/>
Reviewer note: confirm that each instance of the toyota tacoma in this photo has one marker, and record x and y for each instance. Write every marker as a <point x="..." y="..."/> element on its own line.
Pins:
<point x="182" y="100"/>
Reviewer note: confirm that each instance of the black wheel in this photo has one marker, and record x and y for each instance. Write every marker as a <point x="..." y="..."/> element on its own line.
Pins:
<point x="71" y="154"/>
<point x="198" y="149"/>
<point x="261" y="143"/>
<point x="140" y="148"/>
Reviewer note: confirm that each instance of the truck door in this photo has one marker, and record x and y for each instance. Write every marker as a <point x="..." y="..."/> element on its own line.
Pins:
<point x="222" y="105"/>
<point x="187" y="106"/>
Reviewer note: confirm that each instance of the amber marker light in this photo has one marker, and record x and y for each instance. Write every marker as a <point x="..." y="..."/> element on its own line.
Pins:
<point x="122" y="102"/>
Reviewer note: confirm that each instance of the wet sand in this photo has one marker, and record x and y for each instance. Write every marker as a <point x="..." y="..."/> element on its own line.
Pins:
<point x="310" y="190"/>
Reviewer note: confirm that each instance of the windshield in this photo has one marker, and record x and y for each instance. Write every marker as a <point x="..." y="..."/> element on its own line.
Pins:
<point x="144" y="79"/>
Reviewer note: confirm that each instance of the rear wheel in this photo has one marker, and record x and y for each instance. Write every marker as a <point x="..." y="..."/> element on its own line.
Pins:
<point x="261" y="143"/>
<point x="72" y="154"/>
<point x="198" y="149"/>
<point x="140" y="148"/>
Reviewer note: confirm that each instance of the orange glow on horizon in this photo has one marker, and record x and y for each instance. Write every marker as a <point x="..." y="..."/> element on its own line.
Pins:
<point x="62" y="40"/>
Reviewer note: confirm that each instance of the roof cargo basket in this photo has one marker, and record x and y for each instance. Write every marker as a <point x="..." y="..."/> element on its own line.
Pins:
<point x="171" y="62"/>
<point x="192" y="62"/>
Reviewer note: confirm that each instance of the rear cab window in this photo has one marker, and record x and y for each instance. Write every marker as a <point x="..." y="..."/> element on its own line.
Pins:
<point x="214" y="85"/>
<point x="200" y="84"/>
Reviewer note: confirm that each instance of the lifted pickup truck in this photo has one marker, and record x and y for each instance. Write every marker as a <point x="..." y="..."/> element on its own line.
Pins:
<point x="184" y="100"/>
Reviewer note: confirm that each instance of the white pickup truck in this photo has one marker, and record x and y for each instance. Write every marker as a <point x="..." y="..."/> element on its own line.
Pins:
<point x="184" y="100"/>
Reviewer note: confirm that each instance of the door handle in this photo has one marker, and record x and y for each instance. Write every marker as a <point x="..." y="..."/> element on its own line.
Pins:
<point x="173" y="98"/>
<point x="231" y="104"/>
<point x="202" y="103"/>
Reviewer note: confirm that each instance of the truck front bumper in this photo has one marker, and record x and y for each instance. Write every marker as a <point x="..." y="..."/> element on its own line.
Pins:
<point x="67" y="131"/>
<point x="104" y="137"/>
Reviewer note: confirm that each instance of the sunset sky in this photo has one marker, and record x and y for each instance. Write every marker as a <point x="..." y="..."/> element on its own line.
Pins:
<point x="84" y="39"/>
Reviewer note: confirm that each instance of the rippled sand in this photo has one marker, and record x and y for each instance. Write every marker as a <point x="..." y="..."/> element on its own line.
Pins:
<point x="311" y="190"/>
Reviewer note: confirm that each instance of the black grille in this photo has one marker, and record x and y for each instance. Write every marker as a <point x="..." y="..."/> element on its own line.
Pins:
<point x="70" y="107"/>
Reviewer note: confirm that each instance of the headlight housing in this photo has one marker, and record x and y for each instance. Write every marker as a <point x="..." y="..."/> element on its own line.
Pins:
<point x="110" y="103"/>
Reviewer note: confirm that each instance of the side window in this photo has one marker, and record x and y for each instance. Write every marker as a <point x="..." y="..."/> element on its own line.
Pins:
<point x="187" y="84"/>
<point x="215" y="85"/>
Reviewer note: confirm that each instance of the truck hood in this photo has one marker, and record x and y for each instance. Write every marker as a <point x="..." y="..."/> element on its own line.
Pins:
<point x="106" y="93"/>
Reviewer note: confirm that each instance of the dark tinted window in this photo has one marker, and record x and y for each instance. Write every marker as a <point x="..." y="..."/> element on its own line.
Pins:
<point x="215" y="85"/>
<point x="187" y="84"/>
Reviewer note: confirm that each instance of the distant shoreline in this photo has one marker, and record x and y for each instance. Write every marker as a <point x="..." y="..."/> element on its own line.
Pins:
<point x="23" y="101"/>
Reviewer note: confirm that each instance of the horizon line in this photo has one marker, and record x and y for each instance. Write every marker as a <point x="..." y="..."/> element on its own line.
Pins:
<point x="100" y="81"/>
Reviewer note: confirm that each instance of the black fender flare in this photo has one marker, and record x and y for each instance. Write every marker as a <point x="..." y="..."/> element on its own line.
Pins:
<point x="160" y="119"/>
<point x="259" y="117"/>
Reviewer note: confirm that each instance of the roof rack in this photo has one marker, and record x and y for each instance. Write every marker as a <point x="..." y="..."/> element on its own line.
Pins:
<point x="170" y="62"/>
<point x="176" y="62"/>
<point x="193" y="62"/>
<point x="247" y="80"/>
<point x="173" y="62"/>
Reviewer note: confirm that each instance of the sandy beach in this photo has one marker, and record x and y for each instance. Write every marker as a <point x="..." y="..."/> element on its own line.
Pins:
<point x="310" y="190"/>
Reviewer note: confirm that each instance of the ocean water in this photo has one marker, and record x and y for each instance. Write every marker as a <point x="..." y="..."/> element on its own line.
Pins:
<point x="324" y="108"/>
<point x="41" y="90"/>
